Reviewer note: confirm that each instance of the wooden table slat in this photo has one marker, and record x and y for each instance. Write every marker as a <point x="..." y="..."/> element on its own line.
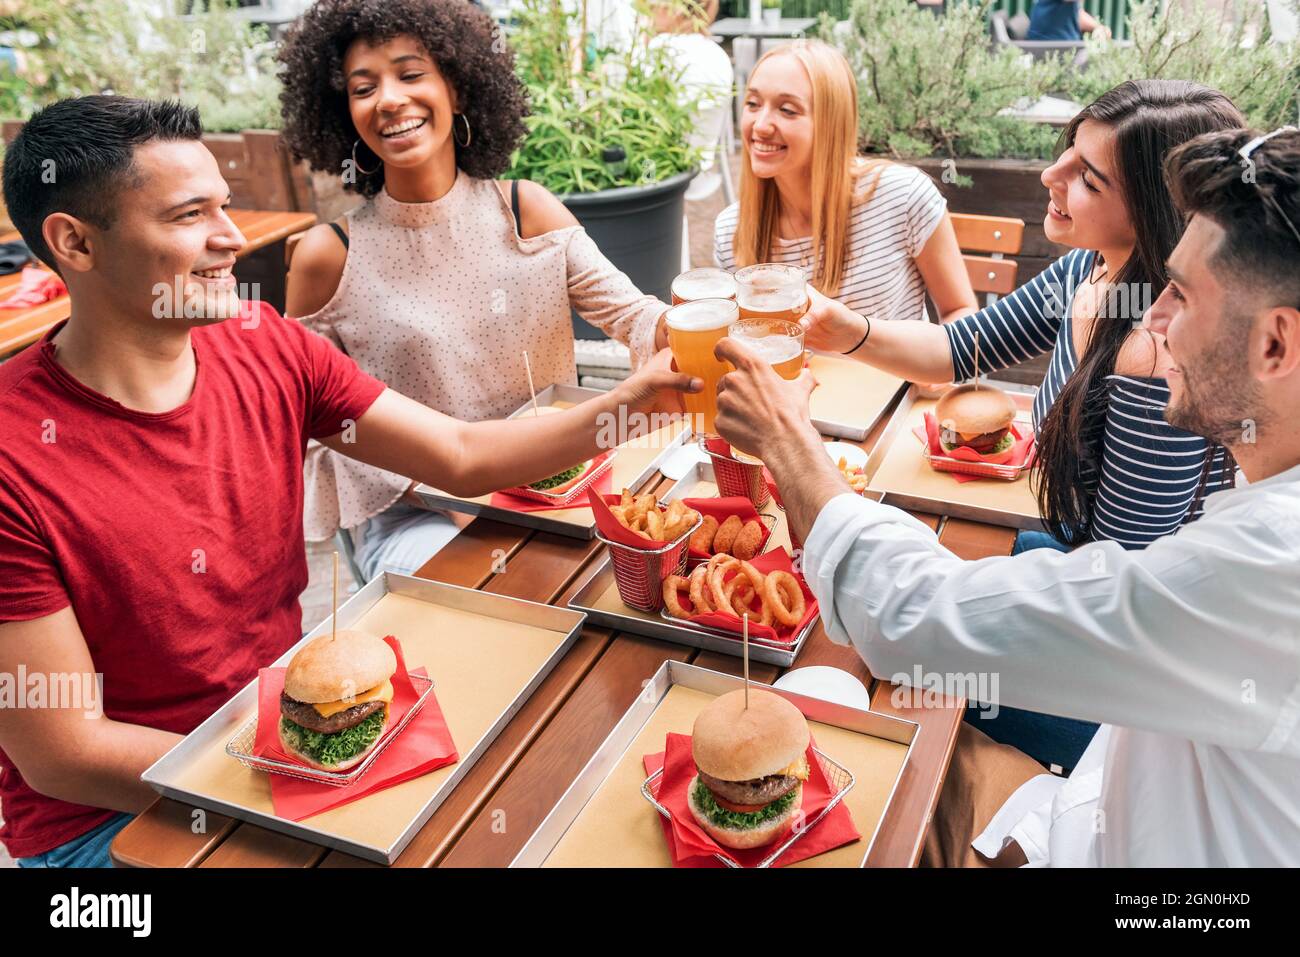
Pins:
<point x="164" y="836"/>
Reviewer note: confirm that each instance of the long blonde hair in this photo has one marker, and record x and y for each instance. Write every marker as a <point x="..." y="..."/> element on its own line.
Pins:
<point x="836" y="170"/>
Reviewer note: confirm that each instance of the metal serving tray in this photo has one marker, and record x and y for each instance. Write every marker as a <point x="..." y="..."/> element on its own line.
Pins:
<point x="851" y="397"/>
<point x="993" y="501"/>
<point x="171" y="776"/>
<point x="547" y="521"/>
<point x="653" y="625"/>
<point x="612" y="751"/>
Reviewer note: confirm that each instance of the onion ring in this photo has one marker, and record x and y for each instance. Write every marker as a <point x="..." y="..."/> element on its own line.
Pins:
<point x="700" y="604"/>
<point x="718" y="567"/>
<point x="672" y="601"/>
<point x="780" y="582"/>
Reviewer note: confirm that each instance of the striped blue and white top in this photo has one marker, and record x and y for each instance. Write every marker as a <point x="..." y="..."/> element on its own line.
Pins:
<point x="1149" y="470"/>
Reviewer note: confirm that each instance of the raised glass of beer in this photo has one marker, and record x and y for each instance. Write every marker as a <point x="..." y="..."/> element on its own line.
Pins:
<point x="771" y="291"/>
<point x="694" y="328"/>
<point x="704" y="283"/>
<point x="778" y="341"/>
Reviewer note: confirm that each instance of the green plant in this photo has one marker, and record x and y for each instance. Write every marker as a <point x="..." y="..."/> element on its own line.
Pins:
<point x="584" y="99"/>
<point x="771" y="4"/>
<point x="212" y="59"/>
<point x="1193" y="41"/>
<point x="931" y="85"/>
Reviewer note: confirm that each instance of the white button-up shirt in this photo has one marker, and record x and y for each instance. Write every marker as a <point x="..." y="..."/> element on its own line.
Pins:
<point x="1189" y="651"/>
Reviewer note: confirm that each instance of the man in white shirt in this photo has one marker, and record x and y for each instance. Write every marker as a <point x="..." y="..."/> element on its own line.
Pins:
<point x="1188" y="651"/>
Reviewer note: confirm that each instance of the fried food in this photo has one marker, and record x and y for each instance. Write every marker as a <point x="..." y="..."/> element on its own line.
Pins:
<point x="672" y="600"/>
<point x="748" y="541"/>
<point x="702" y="539"/>
<point x="785" y="598"/>
<point x="854" y="475"/>
<point x="699" y="590"/>
<point x="727" y="533"/>
<point x="641" y="515"/>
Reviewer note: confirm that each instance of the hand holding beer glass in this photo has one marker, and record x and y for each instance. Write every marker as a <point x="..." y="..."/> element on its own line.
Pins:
<point x="769" y="299"/>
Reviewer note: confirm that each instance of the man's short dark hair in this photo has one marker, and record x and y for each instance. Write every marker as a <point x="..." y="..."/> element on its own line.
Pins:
<point x="75" y="156"/>
<point x="1256" y="202"/>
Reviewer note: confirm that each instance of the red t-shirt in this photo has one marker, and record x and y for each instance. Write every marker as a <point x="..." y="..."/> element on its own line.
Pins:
<point x="175" y="537"/>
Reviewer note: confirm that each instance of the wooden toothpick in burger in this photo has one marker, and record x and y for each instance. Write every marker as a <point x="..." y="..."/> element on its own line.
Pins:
<point x="745" y="633"/>
<point x="334" y="607"/>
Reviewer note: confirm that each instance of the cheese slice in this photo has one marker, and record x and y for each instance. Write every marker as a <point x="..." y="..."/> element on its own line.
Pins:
<point x="799" y="769"/>
<point x="383" y="692"/>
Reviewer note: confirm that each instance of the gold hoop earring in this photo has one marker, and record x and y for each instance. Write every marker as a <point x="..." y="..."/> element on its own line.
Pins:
<point x="469" y="134"/>
<point x="357" y="164"/>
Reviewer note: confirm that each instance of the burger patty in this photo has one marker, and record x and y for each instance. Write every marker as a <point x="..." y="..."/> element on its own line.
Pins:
<point x="305" y="715"/>
<point x="758" y="791"/>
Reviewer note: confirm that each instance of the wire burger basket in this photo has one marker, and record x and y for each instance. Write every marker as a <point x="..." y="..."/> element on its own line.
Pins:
<point x="839" y="777"/>
<point x="240" y="747"/>
<point x="640" y="573"/>
<point x="735" y="477"/>
<point x="1008" y="473"/>
<point x="573" y="492"/>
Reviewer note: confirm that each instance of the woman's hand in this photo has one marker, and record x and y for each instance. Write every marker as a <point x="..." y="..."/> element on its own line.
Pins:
<point x="657" y="386"/>
<point x="831" y="326"/>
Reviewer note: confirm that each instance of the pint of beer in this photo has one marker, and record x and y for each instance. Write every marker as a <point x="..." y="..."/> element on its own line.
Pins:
<point x="694" y="328"/>
<point x="705" y="283"/>
<point x="771" y="291"/>
<point x="779" y="342"/>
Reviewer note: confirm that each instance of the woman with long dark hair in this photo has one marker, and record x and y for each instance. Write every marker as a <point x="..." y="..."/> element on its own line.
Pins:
<point x="1109" y="466"/>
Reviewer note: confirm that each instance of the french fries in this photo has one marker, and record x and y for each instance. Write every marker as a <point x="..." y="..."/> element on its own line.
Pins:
<point x="641" y="515"/>
<point x="853" y="475"/>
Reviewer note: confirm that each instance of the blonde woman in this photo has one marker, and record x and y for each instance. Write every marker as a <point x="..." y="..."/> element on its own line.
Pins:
<point x="872" y="234"/>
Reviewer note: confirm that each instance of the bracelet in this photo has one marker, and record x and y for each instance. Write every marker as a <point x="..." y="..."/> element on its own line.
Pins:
<point x="862" y="340"/>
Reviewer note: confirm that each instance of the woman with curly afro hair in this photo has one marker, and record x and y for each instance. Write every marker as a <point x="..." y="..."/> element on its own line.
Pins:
<point x="444" y="275"/>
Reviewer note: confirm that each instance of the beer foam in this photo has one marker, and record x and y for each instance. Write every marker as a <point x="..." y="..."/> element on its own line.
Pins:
<point x="773" y="349"/>
<point x="701" y="315"/>
<point x="704" y="284"/>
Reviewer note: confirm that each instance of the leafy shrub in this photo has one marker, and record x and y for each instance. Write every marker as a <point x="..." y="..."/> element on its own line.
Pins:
<point x="584" y="100"/>
<point x="931" y="84"/>
<point x="216" y="61"/>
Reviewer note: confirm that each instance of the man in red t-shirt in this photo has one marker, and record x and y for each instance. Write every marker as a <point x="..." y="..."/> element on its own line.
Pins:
<point x="151" y="467"/>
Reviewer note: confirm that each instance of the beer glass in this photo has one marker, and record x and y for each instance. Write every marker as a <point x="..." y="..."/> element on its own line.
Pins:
<point x="694" y="328"/>
<point x="779" y="342"/>
<point x="705" y="283"/>
<point x="771" y="291"/>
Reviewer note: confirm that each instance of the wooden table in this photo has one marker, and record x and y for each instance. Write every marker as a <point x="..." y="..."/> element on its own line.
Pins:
<point x="540" y="752"/>
<point x="21" y="327"/>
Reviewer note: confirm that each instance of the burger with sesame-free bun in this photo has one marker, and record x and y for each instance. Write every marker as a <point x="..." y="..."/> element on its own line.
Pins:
<point x="752" y="764"/>
<point x="336" y="698"/>
<point x="978" y="419"/>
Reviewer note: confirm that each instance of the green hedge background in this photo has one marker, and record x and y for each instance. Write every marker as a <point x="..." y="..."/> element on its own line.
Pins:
<point x="1113" y="13"/>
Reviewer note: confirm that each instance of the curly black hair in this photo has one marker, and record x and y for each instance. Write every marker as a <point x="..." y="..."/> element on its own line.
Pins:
<point x="461" y="38"/>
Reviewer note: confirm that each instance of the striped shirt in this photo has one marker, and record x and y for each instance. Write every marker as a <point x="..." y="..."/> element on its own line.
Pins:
<point x="1149" y="470"/>
<point x="885" y="236"/>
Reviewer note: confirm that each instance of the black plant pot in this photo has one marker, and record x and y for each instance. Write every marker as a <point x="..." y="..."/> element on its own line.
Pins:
<point x="639" y="229"/>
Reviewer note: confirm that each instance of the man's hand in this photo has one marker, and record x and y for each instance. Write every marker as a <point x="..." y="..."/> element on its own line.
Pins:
<point x="657" y="386"/>
<point x="829" y="325"/>
<point x="757" y="409"/>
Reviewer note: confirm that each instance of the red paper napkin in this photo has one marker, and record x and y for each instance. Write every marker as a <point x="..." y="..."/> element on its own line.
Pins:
<point x="723" y="508"/>
<point x="36" y="285"/>
<point x="929" y="435"/>
<point x="776" y="560"/>
<point x="519" y="503"/>
<point x="690" y="846"/>
<point x="424" y="745"/>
